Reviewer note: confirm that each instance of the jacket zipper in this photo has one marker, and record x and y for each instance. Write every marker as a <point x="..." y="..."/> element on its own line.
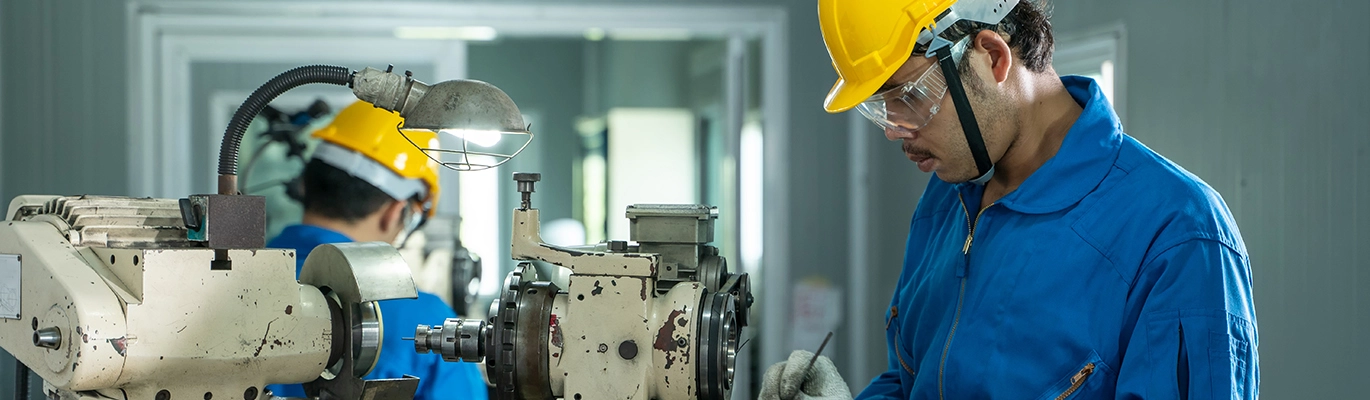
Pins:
<point x="898" y="352"/>
<point x="1077" y="381"/>
<point x="960" y="298"/>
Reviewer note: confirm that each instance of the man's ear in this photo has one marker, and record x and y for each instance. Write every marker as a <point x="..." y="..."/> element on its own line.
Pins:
<point x="1000" y="53"/>
<point x="390" y="215"/>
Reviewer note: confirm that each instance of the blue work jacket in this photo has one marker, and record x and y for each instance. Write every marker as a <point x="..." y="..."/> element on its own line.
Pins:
<point x="1109" y="273"/>
<point x="438" y="379"/>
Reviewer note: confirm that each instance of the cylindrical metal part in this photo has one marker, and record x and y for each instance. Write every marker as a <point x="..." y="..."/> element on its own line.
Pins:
<point x="456" y="340"/>
<point x="718" y="334"/>
<point x="228" y="184"/>
<point x="48" y="338"/>
<point x="366" y="337"/>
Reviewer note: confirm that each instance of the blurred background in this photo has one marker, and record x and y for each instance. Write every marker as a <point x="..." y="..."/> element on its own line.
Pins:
<point x="720" y="103"/>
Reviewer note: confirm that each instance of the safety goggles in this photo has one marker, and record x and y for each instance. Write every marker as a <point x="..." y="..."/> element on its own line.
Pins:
<point x="909" y="107"/>
<point x="415" y="217"/>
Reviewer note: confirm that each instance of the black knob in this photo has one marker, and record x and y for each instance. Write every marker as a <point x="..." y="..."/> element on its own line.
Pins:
<point x="525" y="187"/>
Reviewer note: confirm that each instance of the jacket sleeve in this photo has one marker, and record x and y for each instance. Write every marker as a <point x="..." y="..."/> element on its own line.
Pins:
<point x="884" y="386"/>
<point x="1195" y="335"/>
<point x="444" y="379"/>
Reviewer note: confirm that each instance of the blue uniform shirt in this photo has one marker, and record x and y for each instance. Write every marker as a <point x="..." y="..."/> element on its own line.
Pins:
<point x="438" y="379"/>
<point x="1109" y="273"/>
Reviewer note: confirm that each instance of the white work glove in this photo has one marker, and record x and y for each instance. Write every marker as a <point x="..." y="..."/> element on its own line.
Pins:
<point x="786" y="380"/>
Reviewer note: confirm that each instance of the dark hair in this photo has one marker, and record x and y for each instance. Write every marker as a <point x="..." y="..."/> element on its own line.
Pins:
<point x="333" y="193"/>
<point x="1028" y="27"/>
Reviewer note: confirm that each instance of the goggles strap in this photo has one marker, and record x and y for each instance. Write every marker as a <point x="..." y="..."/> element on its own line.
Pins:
<point x="967" y="116"/>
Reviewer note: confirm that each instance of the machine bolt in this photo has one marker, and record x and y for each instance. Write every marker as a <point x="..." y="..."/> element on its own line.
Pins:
<point x="627" y="349"/>
<point x="525" y="187"/>
<point x="250" y="393"/>
<point x="48" y="338"/>
<point x="618" y="246"/>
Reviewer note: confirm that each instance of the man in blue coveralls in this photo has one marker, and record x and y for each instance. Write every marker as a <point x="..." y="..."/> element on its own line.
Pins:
<point x="1054" y="256"/>
<point x="366" y="182"/>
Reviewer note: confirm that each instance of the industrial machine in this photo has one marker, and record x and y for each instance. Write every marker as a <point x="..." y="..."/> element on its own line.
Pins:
<point x="137" y="298"/>
<point x="658" y="318"/>
<point x="107" y="297"/>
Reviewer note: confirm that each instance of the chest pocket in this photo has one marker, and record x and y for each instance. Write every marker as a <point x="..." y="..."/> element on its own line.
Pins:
<point x="1088" y="380"/>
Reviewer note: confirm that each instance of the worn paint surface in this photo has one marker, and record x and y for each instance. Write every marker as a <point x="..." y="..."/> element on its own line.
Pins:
<point x="60" y="290"/>
<point x="249" y="337"/>
<point x="528" y="245"/>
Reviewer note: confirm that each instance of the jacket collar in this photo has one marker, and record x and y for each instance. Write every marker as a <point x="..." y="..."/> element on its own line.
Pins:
<point x="1086" y="156"/>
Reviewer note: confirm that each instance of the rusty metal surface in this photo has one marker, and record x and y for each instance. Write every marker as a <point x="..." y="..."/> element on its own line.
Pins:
<point x="659" y="318"/>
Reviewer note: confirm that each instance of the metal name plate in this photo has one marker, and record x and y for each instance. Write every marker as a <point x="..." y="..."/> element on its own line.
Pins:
<point x="9" y="286"/>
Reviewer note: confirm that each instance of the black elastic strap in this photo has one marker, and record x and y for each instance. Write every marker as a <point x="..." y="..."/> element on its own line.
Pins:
<point x="963" y="110"/>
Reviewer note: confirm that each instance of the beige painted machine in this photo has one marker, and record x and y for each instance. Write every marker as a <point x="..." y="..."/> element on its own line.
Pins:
<point x="119" y="298"/>
<point x="107" y="297"/>
<point x="658" y="319"/>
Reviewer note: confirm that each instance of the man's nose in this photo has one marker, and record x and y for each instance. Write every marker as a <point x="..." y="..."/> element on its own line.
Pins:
<point x="895" y="134"/>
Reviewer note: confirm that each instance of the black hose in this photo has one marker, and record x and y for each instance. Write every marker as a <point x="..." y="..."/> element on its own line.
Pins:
<point x="21" y="380"/>
<point x="233" y="135"/>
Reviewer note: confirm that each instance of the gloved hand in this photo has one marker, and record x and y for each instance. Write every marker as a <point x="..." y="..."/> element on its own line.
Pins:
<point x="786" y="380"/>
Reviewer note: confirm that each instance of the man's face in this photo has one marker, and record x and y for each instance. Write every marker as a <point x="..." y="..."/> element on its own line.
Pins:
<point x="940" y="145"/>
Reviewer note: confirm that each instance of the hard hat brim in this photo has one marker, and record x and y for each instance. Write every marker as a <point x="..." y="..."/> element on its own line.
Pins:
<point x="844" y="95"/>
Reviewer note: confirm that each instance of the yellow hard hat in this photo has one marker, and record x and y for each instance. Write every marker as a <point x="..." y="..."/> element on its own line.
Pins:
<point x="870" y="39"/>
<point x="364" y="130"/>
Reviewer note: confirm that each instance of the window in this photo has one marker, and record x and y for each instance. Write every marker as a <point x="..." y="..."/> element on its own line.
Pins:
<point x="1099" y="54"/>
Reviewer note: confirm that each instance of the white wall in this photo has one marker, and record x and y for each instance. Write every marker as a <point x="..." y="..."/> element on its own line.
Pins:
<point x="1265" y="100"/>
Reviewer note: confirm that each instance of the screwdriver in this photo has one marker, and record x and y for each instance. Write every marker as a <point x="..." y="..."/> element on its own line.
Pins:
<point x="816" y="353"/>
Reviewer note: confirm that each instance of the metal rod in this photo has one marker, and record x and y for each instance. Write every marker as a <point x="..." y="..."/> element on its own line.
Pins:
<point x="816" y="353"/>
